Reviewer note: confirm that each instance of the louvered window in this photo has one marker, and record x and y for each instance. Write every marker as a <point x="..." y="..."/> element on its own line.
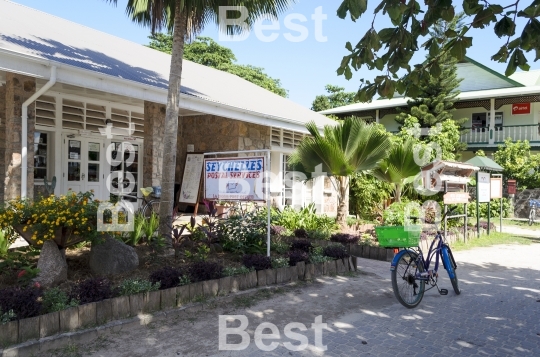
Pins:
<point x="286" y="138"/>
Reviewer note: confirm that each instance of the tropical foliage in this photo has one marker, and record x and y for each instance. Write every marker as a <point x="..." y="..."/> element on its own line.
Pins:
<point x="519" y="163"/>
<point x="76" y="212"/>
<point x="399" y="167"/>
<point x="206" y="51"/>
<point x="335" y="97"/>
<point x="349" y="147"/>
<point x="185" y="19"/>
<point x="391" y="49"/>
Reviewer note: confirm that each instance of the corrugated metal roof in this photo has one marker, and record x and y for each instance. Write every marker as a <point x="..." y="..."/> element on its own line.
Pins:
<point x="32" y="32"/>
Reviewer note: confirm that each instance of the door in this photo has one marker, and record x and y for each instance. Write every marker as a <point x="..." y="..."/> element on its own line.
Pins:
<point x="125" y="170"/>
<point x="84" y="166"/>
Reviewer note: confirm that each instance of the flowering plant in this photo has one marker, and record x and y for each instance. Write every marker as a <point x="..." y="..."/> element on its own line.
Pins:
<point x="73" y="213"/>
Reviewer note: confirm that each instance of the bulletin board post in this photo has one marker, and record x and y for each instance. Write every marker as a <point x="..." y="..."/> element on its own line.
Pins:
<point x="265" y="182"/>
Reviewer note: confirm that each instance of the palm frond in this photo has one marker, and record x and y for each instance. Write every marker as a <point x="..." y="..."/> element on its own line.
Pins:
<point x="349" y="147"/>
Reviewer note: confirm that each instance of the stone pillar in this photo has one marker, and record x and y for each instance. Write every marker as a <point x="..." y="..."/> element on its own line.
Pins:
<point x="18" y="89"/>
<point x="2" y="140"/>
<point x="154" y="129"/>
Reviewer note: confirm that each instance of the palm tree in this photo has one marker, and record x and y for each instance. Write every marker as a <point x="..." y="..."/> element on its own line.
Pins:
<point x="352" y="146"/>
<point x="399" y="167"/>
<point x="186" y="19"/>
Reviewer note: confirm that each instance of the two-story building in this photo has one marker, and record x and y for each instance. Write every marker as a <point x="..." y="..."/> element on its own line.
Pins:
<point x="497" y="107"/>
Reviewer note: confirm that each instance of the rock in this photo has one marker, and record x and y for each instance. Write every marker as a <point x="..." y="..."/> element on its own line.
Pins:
<point x="111" y="257"/>
<point x="52" y="265"/>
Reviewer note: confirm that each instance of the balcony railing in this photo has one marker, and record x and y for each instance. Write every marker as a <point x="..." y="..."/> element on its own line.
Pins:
<point x="480" y="135"/>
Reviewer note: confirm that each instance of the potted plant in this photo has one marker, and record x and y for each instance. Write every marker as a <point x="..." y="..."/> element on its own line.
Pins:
<point x="222" y="208"/>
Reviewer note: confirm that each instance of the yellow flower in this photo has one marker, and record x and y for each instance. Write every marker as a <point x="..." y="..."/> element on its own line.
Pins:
<point x="24" y="229"/>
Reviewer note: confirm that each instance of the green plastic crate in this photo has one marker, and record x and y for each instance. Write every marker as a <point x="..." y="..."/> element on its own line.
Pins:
<point x="397" y="236"/>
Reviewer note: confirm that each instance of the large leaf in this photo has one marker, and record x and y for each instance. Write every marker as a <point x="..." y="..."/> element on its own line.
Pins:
<point x="349" y="147"/>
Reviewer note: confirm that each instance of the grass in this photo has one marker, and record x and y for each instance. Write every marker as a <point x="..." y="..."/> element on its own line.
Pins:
<point x="493" y="239"/>
<point x="521" y="224"/>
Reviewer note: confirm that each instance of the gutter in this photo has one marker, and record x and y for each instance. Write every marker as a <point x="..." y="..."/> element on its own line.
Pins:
<point x="24" y="150"/>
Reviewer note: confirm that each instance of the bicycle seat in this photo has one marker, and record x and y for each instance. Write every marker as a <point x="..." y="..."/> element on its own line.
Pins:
<point x="146" y="191"/>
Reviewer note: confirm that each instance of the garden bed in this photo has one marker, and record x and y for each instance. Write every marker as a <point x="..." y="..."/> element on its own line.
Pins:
<point x="100" y="312"/>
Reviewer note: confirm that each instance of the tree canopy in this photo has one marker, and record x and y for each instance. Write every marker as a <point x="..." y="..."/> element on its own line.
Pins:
<point x="519" y="163"/>
<point x="390" y="50"/>
<point x="206" y="51"/>
<point x="335" y="97"/>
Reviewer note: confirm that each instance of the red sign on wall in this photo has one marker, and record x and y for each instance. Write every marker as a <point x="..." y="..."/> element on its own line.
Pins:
<point x="521" y="108"/>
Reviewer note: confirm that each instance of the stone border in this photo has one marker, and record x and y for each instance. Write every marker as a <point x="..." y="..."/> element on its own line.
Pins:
<point x="51" y="330"/>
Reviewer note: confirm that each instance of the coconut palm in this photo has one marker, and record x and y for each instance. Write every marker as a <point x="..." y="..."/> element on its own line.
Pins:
<point x="399" y="167"/>
<point x="186" y="19"/>
<point x="352" y="146"/>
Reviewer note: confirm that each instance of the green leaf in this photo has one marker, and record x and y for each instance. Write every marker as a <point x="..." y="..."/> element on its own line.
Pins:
<point x="348" y="46"/>
<point x="448" y="14"/>
<point x="435" y="70"/>
<point x="471" y="7"/>
<point x="512" y="65"/>
<point x="348" y="73"/>
<point x="379" y="64"/>
<point x="355" y="7"/>
<point x="433" y="49"/>
<point x="387" y="34"/>
<point x="505" y="27"/>
<point x="522" y="60"/>
<point x="483" y="18"/>
<point x="450" y="33"/>
<point x="459" y="49"/>
<point x="501" y="56"/>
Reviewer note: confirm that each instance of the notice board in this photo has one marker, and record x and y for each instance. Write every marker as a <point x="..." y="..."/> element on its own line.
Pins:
<point x="191" y="181"/>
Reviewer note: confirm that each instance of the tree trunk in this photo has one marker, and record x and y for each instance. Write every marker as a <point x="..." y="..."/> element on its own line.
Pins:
<point x="171" y="124"/>
<point x="397" y="192"/>
<point x="343" y="201"/>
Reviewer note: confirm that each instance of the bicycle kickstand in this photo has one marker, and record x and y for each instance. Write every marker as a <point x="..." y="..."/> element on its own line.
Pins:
<point x="441" y="291"/>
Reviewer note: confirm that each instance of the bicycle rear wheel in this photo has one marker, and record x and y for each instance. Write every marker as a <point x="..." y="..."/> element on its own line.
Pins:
<point x="450" y="266"/>
<point x="408" y="289"/>
<point x="532" y="216"/>
<point x="151" y="207"/>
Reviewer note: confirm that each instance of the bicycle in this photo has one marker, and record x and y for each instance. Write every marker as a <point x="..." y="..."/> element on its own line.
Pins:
<point x="410" y="269"/>
<point x="533" y="204"/>
<point x="149" y="203"/>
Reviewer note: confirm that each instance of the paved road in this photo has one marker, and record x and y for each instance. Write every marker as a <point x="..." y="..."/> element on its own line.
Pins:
<point x="497" y="314"/>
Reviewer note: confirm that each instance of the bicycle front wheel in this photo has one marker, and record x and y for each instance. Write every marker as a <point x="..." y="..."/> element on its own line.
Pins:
<point x="532" y="216"/>
<point x="151" y="207"/>
<point x="450" y="266"/>
<point x="408" y="289"/>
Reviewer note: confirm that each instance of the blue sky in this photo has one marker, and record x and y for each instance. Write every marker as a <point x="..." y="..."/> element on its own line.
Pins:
<point x="304" y="68"/>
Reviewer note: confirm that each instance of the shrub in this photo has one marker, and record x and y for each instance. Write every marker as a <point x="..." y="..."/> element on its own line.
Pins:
<point x="306" y="218"/>
<point x="167" y="277"/>
<point x="23" y="302"/>
<point x="184" y="280"/>
<point x="336" y="251"/>
<point x="315" y="259"/>
<point x="280" y="263"/>
<point x="319" y="234"/>
<point x="92" y="290"/>
<point x="345" y="238"/>
<point x="301" y="233"/>
<point x="280" y="247"/>
<point x="301" y="244"/>
<point x="394" y="215"/>
<point x="257" y="261"/>
<point x="297" y="256"/>
<point x="6" y="317"/>
<point x="277" y="230"/>
<point x="201" y="271"/>
<point x="244" y="234"/>
<point x="137" y="286"/>
<point x="232" y="271"/>
<point x="55" y="300"/>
